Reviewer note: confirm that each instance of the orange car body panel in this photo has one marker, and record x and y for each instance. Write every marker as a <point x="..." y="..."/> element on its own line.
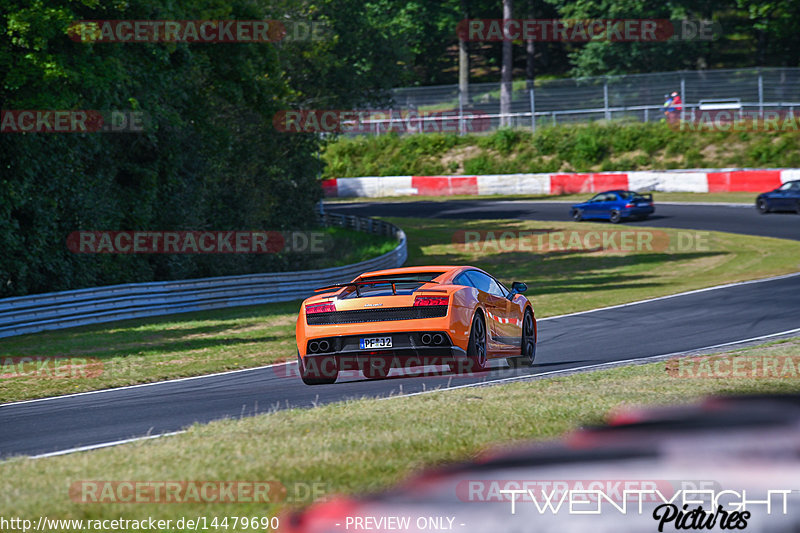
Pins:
<point x="503" y="316"/>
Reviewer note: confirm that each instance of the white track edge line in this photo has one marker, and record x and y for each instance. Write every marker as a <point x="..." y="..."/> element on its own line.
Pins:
<point x="101" y="445"/>
<point x="598" y="366"/>
<point x="668" y="296"/>
<point x="469" y="385"/>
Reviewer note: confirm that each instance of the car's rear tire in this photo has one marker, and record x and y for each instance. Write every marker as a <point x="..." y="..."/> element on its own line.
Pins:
<point x="375" y="371"/>
<point x="762" y="206"/>
<point x="323" y="372"/>
<point x="577" y="215"/>
<point x="527" y="346"/>
<point x="476" y="349"/>
<point x="615" y="217"/>
<point x="797" y="207"/>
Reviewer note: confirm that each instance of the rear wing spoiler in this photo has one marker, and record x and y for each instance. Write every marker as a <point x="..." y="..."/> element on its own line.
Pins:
<point x="648" y="196"/>
<point x="360" y="283"/>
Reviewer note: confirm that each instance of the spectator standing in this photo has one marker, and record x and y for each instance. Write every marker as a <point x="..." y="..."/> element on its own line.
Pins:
<point x="673" y="107"/>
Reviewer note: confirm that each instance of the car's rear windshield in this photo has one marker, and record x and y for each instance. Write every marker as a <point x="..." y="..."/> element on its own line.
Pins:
<point x="632" y="196"/>
<point x="415" y="281"/>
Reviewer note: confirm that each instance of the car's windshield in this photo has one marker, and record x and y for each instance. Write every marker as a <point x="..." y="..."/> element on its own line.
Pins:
<point x="414" y="282"/>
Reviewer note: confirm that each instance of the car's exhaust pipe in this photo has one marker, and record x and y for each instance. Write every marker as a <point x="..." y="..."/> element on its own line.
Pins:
<point x="323" y="346"/>
<point x="313" y="346"/>
<point x="438" y="339"/>
<point x="426" y="338"/>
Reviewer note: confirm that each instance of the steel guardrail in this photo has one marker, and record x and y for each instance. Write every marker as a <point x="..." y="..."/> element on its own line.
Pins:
<point x="57" y="310"/>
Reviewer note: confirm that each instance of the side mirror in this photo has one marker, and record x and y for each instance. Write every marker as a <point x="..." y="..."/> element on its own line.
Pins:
<point x="518" y="288"/>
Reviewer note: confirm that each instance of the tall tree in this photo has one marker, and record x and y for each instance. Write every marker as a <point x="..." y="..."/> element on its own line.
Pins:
<point x="530" y="52"/>
<point x="463" y="61"/>
<point x="506" y="69"/>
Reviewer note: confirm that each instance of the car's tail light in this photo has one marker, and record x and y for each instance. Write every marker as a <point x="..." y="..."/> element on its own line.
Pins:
<point x="430" y="300"/>
<point x="628" y="206"/>
<point x="326" y="307"/>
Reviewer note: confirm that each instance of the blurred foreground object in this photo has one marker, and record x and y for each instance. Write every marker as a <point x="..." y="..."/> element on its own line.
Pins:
<point x="735" y="458"/>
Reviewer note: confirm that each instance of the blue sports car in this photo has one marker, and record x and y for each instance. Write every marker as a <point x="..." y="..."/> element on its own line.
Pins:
<point x="614" y="206"/>
<point x="784" y="198"/>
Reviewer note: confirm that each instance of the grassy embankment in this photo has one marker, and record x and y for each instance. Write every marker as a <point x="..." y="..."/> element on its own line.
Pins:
<point x="594" y="147"/>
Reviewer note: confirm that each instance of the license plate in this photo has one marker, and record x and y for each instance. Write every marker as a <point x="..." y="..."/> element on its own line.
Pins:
<point x="642" y="205"/>
<point x="376" y="342"/>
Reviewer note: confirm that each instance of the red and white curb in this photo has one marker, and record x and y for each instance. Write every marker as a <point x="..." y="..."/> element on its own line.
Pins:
<point x="702" y="181"/>
<point x="503" y="320"/>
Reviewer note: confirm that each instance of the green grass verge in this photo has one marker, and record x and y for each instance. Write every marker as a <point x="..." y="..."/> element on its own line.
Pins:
<point x="569" y="148"/>
<point x="360" y="445"/>
<point x="560" y="281"/>
<point x="688" y="197"/>
<point x="343" y="246"/>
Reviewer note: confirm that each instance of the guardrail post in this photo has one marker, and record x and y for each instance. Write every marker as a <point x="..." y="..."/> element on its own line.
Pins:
<point x="760" y="95"/>
<point x="460" y="111"/>
<point x="533" y="111"/>
<point x="607" y="112"/>
<point x="683" y="98"/>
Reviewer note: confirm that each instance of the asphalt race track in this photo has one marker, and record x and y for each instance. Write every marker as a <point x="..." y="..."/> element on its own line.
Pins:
<point x="732" y="218"/>
<point x="663" y="326"/>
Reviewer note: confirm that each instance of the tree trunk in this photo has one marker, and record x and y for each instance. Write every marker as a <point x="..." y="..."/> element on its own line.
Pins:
<point x="530" y="48"/>
<point x="505" y="72"/>
<point x="463" y="61"/>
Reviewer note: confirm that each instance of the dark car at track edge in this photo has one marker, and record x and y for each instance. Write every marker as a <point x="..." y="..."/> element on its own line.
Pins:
<point x="614" y="206"/>
<point x="784" y="198"/>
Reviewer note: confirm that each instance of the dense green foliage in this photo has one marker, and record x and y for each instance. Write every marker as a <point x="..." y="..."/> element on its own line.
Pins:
<point x="749" y="33"/>
<point x="208" y="158"/>
<point x="591" y="147"/>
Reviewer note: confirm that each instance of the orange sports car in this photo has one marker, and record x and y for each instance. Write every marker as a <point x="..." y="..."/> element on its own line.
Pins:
<point x="433" y="315"/>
